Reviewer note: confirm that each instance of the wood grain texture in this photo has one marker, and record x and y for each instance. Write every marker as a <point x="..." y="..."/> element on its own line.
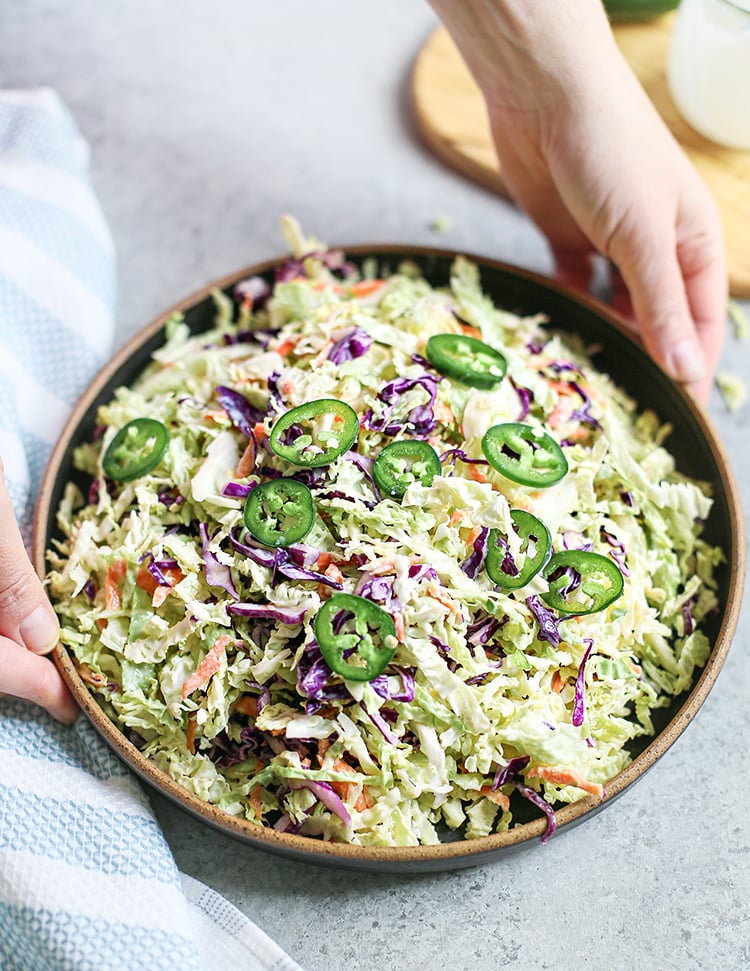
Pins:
<point x="450" y="116"/>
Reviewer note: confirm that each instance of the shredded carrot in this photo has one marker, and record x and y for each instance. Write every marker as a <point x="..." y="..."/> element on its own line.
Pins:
<point x="341" y="788"/>
<point x="255" y="802"/>
<point x="398" y="623"/>
<point x="323" y="746"/>
<point x="323" y="353"/>
<point x="364" y="800"/>
<point x="560" y="414"/>
<point x="208" y="666"/>
<point x="285" y="347"/>
<point x="444" y="598"/>
<point x="101" y="623"/>
<point x="246" y="463"/>
<point x="115" y="575"/>
<point x="562" y="387"/>
<point x="494" y="795"/>
<point x="456" y="517"/>
<point x="323" y="562"/>
<point x="636" y="667"/>
<point x="216" y="416"/>
<point x="442" y="412"/>
<point x="259" y="430"/>
<point x="87" y="675"/>
<point x="470" y="330"/>
<point x="145" y="580"/>
<point x="161" y="593"/>
<point x="477" y="475"/>
<point x="247" y="705"/>
<point x="192" y="724"/>
<point x="388" y="566"/>
<point x="557" y="682"/>
<point x="473" y="535"/>
<point x="365" y="287"/>
<point x="564" y="777"/>
<point x="333" y="573"/>
<point x="320" y="285"/>
<point x="344" y="789"/>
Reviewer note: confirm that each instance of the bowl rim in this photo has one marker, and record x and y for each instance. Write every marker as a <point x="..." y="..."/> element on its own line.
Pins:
<point x="448" y="854"/>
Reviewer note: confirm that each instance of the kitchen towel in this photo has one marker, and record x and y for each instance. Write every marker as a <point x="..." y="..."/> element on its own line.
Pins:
<point x="87" y="880"/>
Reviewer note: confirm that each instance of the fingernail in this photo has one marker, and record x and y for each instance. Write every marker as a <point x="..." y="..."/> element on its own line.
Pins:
<point x="40" y="631"/>
<point x="685" y="362"/>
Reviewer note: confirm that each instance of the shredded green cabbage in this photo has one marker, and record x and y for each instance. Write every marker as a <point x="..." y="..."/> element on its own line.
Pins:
<point x="244" y="737"/>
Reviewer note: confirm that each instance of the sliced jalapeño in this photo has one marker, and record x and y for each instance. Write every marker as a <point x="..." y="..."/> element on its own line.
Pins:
<point x="401" y="463"/>
<point x="356" y="637"/>
<point x="316" y="433"/>
<point x="581" y="582"/>
<point x="501" y="568"/>
<point x="524" y="454"/>
<point x="279" y="512"/>
<point x="136" y="449"/>
<point x="466" y="360"/>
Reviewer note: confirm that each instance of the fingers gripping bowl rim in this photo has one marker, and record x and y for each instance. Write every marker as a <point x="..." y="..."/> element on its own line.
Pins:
<point x="698" y="453"/>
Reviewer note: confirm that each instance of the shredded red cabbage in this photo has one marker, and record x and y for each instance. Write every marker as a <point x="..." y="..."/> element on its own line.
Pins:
<point x="482" y="631"/>
<point x="419" y="422"/>
<point x="284" y="615"/>
<point x="576" y="541"/>
<point x="687" y="617"/>
<point x="584" y="414"/>
<point x="242" y="414"/>
<point x="170" y="497"/>
<point x="473" y="563"/>
<point x="217" y="574"/>
<point x="380" y="723"/>
<point x="541" y="803"/>
<point x="254" y="291"/>
<point x="524" y="396"/>
<point x="506" y="772"/>
<point x="264" y="696"/>
<point x="325" y="794"/>
<point x="559" y="366"/>
<point x="379" y="589"/>
<point x="458" y="453"/>
<point x="579" y="703"/>
<point x="283" y="560"/>
<point x="275" y="401"/>
<point x="381" y="686"/>
<point x="618" y="552"/>
<point x="238" y="490"/>
<point x="155" y="568"/>
<point x="421" y="571"/>
<point x="352" y="345"/>
<point x="294" y="269"/>
<point x="548" y="630"/>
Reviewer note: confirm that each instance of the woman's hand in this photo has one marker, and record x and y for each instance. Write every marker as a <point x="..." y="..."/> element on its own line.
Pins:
<point x="585" y="154"/>
<point x="28" y="625"/>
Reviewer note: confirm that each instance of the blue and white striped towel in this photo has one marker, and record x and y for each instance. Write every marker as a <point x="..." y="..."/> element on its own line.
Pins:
<point x="87" y="880"/>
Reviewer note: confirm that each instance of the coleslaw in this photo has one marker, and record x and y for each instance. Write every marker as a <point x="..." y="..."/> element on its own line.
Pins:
<point x="206" y="644"/>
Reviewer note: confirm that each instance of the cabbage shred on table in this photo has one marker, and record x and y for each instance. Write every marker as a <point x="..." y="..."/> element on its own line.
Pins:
<point x="485" y="684"/>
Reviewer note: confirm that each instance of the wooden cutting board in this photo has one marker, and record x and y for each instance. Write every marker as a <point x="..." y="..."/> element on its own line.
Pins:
<point x="450" y="116"/>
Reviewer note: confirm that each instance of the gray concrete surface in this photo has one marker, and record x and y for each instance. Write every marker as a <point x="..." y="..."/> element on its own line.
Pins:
<point x="207" y="122"/>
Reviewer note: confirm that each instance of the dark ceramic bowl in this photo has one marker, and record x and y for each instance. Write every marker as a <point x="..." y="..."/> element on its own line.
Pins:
<point x="694" y="444"/>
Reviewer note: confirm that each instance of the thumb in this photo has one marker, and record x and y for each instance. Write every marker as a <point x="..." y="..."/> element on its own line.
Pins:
<point x="26" y="615"/>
